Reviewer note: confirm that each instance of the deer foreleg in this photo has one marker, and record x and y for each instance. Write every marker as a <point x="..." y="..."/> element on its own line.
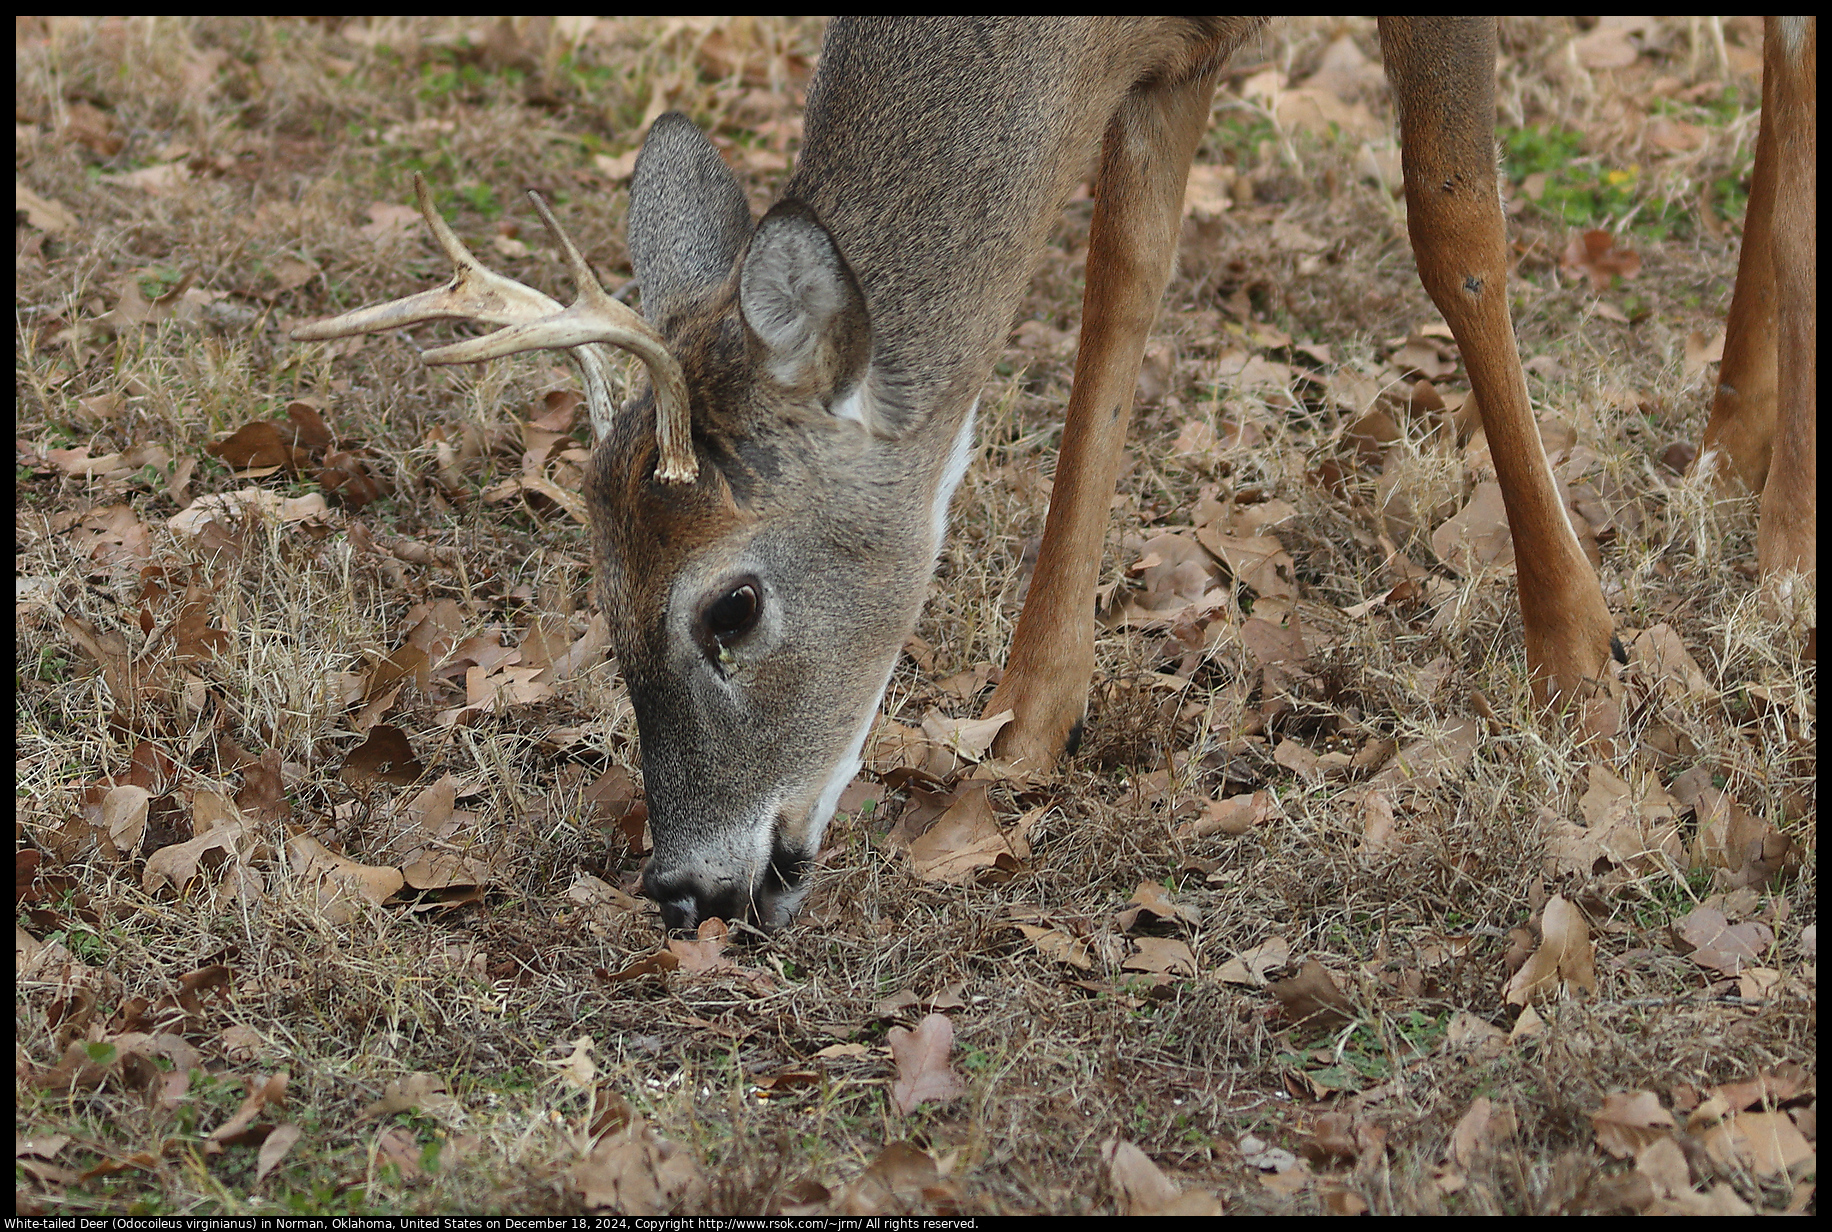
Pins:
<point x="1138" y="210"/>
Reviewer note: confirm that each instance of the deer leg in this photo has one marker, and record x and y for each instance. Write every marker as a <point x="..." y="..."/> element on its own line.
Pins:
<point x="1138" y="211"/>
<point x="1443" y="73"/>
<point x="1787" y="540"/>
<point x="1740" y="435"/>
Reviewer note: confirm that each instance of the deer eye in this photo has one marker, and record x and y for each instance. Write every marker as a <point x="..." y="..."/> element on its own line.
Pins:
<point x="730" y="616"/>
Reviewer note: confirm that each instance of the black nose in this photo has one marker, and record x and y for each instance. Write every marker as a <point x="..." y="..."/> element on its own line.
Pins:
<point x="685" y="902"/>
<point x="680" y="913"/>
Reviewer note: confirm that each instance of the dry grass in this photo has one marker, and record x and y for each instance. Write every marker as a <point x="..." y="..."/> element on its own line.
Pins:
<point x="231" y="166"/>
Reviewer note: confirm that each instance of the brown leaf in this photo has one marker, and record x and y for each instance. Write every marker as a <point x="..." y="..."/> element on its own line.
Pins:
<point x="965" y="840"/>
<point x="412" y="1092"/>
<point x="634" y="1172"/>
<point x="118" y="816"/>
<point x="923" y="1073"/>
<point x="1477" y="536"/>
<point x="261" y="445"/>
<point x="1257" y="561"/>
<point x="1058" y="946"/>
<point x="261" y="1093"/>
<point x="1377" y="822"/>
<point x="903" y="1179"/>
<point x="274" y="1148"/>
<point x="707" y="952"/>
<point x="1232" y="815"/>
<point x="48" y="214"/>
<point x="1564" y="961"/>
<point x="1630" y="1121"/>
<point x="1768" y="1143"/>
<point x="1331" y="1141"/>
<point x="969" y="738"/>
<point x="308" y="428"/>
<point x="1151" y="904"/>
<point x="263" y="794"/>
<point x="1483" y="1129"/>
<point x="194" y="640"/>
<point x="1312" y="996"/>
<point x="1140" y="1184"/>
<point x="1162" y="955"/>
<point x="347" y="476"/>
<point x="222" y="843"/>
<point x="340" y="882"/>
<point x="232" y="508"/>
<point x="1593" y="254"/>
<point x="1775" y="1086"/>
<point x="1142" y="1188"/>
<point x="1715" y="943"/>
<point x="384" y="757"/>
<point x="398" y="1146"/>
<point x="659" y="963"/>
<point x="1252" y="966"/>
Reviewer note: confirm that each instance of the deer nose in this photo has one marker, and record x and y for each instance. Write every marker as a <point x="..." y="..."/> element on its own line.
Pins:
<point x="680" y="913"/>
<point x="685" y="902"/>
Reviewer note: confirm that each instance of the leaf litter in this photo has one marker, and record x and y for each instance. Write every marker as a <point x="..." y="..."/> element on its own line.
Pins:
<point x="1317" y="879"/>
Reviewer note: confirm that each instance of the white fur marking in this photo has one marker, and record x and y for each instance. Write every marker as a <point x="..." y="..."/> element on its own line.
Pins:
<point x="854" y="406"/>
<point x="1793" y="35"/>
<point x="959" y="458"/>
<point x="824" y="804"/>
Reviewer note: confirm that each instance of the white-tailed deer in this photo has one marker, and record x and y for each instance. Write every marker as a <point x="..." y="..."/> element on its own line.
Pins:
<point x="765" y="519"/>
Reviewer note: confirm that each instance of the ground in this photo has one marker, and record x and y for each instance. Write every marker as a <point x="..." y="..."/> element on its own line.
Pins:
<point x="329" y="811"/>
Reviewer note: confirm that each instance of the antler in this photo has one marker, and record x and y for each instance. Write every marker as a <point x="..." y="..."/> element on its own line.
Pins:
<point x="533" y="323"/>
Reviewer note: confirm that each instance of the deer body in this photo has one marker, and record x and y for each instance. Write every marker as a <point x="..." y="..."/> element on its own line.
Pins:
<point x="765" y="520"/>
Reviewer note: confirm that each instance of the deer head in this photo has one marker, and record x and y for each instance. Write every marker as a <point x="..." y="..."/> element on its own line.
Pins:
<point x="764" y="520"/>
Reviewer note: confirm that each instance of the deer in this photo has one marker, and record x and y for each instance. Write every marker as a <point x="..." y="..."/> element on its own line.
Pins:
<point x="765" y="515"/>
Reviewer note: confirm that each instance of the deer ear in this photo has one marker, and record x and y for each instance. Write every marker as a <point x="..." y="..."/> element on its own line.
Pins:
<point x="804" y="311"/>
<point x="688" y="220"/>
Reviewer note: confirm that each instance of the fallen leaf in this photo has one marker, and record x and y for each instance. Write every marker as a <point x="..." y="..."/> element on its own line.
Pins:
<point x="1767" y="1143"/>
<point x="1163" y="956"/>
<point x="261" y="1093"/>
<point x="1150" y="903"/>
<point x="1312" y="996"/>
<point x="1142" y="1188"/>
<point x="659" y="963"/>
<point x="1252" y="966"/>
<point x="707" y="952"/>
<point x="1565" y="960"/>
<point x="340" y="882"/>
<point x="967" y="840"/>
<point x="1712" y="941"/>
<point x="384" y="757"/>
<point x="577" y="1069"/>
<point x="1629" y="1122"/>
<point x="397" y="1146"/>
<point x="921" y="1055"/>
<point x="1481" y="1130"/>
<point x="632" y="1171"/>
<point x="970" y="738"/>
<point x="1058" y="946"/>
<point x="420" y="1092"/>
<point x="903" y="1179"/>
<point x="274" y="1148"/>
<point x="1232" y="815"/>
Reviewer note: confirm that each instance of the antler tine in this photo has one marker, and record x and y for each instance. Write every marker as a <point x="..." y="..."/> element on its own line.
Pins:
<point x="475" y="292"/>
<point x="596" y="317"/>
<point x="535" y="322"/>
